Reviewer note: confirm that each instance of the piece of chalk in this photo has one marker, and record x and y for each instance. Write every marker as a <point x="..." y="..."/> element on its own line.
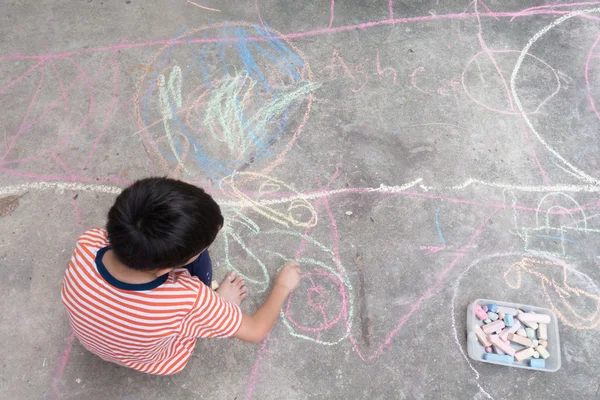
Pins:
<point x="487" y="321"/>
<point x="535" y="354"/>
<point x="485" y="309"/>
<point x="482" y="337"/>
<point x="501" y="315"/>
<point x="539" y="363"/>
<point x="502" y="345"/>
<point x="492" y="315"/>
<point x="504" y="334"/>
<point x="507" y="310"/>
<point x="543" y="352"/>
<point x="530" y="317"/>
<point x="493" y="327"/>
<point x="519" y="339"/>
<point x="497" y="349"/>
<point x="492" y="307"/>
<point x="521" y="332"/>
<point x="502" y="358"/>
<point x="535" y="343"/>
<point x="542" y="332"/>
<point x="524" y="354"/>
<point x="530" y="333"/>
<point x="508" y="320"/>
<point x="489" y="350"/>
<point x="480" y="312"/>
<point x="544" y="343"/>
<point x="532" y="325"/>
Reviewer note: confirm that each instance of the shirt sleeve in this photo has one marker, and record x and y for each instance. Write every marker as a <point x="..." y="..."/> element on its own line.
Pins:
<point x="212" y="316"/>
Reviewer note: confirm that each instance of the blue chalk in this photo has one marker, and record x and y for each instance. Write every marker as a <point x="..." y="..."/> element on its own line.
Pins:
<point x="492" y="307"/>
<point x="537" y="363"/>
<point x="503" y="358"/>
<point x="509" y="320"/>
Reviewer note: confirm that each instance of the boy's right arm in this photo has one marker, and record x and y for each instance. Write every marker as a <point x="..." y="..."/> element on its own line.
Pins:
<point x="256" y="327"/>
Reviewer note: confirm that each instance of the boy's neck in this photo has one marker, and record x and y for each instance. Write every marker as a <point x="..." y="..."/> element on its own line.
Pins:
<point x="125" y="274"/>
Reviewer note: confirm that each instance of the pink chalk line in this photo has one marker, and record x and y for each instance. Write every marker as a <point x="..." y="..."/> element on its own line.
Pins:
<point x="297" y="35"/>
<point x="255" y="369"/>
<point x="428" y="293"/>
<point x="61" y="365"/>
<point x="587" y="78"/>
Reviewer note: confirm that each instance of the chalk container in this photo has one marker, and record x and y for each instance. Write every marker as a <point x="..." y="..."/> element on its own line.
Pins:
<point x="476" y="350"/>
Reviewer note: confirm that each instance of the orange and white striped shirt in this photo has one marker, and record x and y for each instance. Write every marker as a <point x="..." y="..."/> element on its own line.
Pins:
<point x="150" y="327"/>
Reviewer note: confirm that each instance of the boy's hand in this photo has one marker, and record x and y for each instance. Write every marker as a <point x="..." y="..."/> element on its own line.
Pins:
<point x="289" y="276"/>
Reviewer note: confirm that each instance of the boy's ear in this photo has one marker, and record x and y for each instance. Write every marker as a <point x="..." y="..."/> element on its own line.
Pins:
<point x="162" y="271"/>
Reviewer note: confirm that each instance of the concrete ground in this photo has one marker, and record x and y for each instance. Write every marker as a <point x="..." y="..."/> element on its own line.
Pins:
<point x="414" y="156"/>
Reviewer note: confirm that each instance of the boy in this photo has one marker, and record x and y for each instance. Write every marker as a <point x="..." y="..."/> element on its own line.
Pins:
<point x="138" y="294"/>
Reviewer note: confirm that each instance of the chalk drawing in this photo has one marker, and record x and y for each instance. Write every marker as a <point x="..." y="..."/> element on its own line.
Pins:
<point x="437" y="225"/>
<point x="561" y="296"/>
<point x="513" y="87"/>
<point x="203" y="7"/>
<point x="228" y="101"/>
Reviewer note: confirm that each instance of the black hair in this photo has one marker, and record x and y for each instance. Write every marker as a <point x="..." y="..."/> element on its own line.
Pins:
<point x="162" y="223"/>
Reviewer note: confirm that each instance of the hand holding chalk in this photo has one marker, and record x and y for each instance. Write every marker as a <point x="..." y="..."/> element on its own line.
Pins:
<point x="289" y="276"/>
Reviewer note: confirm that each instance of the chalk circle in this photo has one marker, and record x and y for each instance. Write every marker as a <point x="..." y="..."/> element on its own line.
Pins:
<point x="329" y="295"/>
<point x="472" y="69"/>
<point x="326" y="284"/>
<point x="295" y="212"/>
<point x="247" y="97"/>
<point x="580" y="174"/>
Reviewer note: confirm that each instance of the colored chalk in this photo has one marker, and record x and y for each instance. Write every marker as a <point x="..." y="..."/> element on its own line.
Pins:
<point x="542" y="332"/>
<point x="497" y="350"/>
<point x="480" y="312"/>
<point x="488" y="349"/>
<point x="492" y="307"/>
<point x="501" y="316"/>
<point x="482" y="337"/>
<point x="544" y="343"/>
<point x="519" y="339"/>
<point x="521" y="332"/>
<point x="507" y="310"/>
<point x="502" y="345"/>
<point x="509" y="320"/>
<point x="493" y="327"/>
<point x="539" y="363"/>
<point x="529" y="332"/>
<point x="543" y="352"/>
<point x="536" y="354"/>
<point x="513" y="329"/>
<point x="487" y="321"/>
<point x="492" y="315"/>
<point x="532" y="325"/>
<point x="485" y="309"/>
<point x="535" y="343"/>
<point x="530" y="317"/>
<point x="498" y="358"/>
<point x="524" y="354"/>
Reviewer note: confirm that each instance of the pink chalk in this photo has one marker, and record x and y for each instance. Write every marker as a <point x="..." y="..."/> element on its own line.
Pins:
<point x="480" y="313"/>
<point x="502" y="345"/>
<point x="488" y="349"/>
<point x="538" y="318"/>
<point x="493" y="327"/>
<point x="504" y="334"/>
<point x="497" y="350"/>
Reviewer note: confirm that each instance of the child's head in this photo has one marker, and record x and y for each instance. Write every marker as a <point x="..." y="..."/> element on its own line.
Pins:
<point x="162" y="223"/>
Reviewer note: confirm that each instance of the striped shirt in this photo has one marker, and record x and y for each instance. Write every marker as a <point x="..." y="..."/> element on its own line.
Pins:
<point x="150" y="327"/>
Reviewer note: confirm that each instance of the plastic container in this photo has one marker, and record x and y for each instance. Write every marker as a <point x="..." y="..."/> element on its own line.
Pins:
<point x="476" y="350"/>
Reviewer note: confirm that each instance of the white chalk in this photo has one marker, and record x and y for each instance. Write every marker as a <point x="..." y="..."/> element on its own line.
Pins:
<point x="529" y="317"/>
